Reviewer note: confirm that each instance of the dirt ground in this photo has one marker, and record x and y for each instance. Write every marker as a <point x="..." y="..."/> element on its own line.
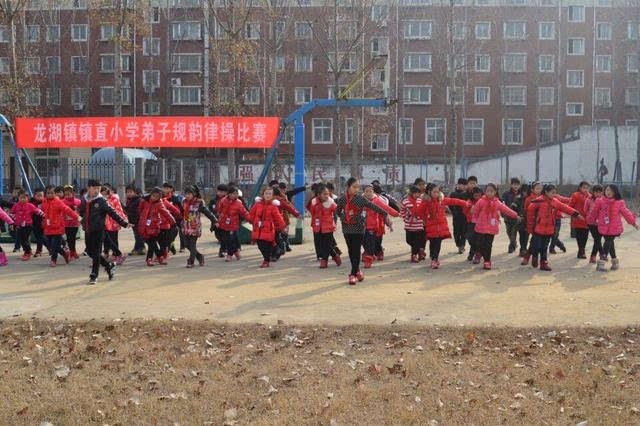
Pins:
<point x="295" y="290"/>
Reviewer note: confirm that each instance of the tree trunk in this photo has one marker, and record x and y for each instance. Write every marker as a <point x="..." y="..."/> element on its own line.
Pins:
<point x="454" y="144"/>
<point x="617" y="173"/>
<point x="231" y="164"/>
<point x="338" y="174"/>
<point x="117" y="103"/>
<point x="637" y="154"/>
<point x="355" y="160"/>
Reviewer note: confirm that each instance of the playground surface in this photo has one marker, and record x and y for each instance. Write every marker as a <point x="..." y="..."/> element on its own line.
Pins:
<point x="294" y="290"/>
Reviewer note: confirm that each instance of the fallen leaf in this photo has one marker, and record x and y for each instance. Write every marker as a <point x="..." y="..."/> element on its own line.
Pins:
<point x="271" y="391"/>
<point x="231" y="414"/>
<point x="340" y="354"/>
<point x="22" y="410"/>
<point x="375" y="369"/>
<point x="264" y="379"/>
<point x="62" y="372"/>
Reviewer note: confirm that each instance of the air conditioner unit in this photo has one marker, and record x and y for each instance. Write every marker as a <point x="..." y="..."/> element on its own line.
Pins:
<point x="78" y="107"/>
<point x="176" y="82"/>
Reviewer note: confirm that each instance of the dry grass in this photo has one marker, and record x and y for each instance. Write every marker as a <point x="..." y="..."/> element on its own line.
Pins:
<point x="167" y="372"/>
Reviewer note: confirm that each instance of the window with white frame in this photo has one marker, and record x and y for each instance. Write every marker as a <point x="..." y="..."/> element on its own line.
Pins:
<point x="32" y="33"/>
<point x="4" y="97"/>
<point x="185" y="62"/>
<point x="455" y="97"/>
<point x="378" y="77"/>
<point x="379" y="14"/>
<point x="252" y="96"/>
<point x="575" y="14"/>
<point x="303" y="30"/>
<point x="107" y="63"/>
<point x="546" y="63"/>
<point x="575" y="108"/>
<point x="379" y="110"/>
<point x="435" y="131"/>
<point x="512" y="131"/>
<point x="575" y="78"/>
<point x="457" y="62"/>
<point x="514" y="62"/>
<point x="251" y="63"/>
<point x="459" y="30"/>
<point x="545" y="131"/>
<point x="187" y="30"/>
<point x="380" y="142"/>
<point x="302" y="95"/>
<point x="186" y="95"/>
<point x="483" y="30"/>
<point x="304" y="63"/>
<point x="226" y="95"/>
<point x="331" y="91"/>
<point x="252" y="31"/>
<point x="5" y="65"/>
<point x="473" y="131"/>
<point x="416" y="95"/>
<point x="279" y="30"/>
<point x="79" y="96"/>
<point x="151" y="108"/>
<point x="416" y="62"/>
<point x="349" y="130"/>
<point x="514" y="95"/>
<point x="416" y="2"/>
<point x="151" y="78"/>
<point x="32" y="97"/>
<point x="417" y="29"/>
<point x="107" y="95"/>
<point x="152" y="15"/>
<point x="4" y="34"/>
<point x="32" y="65"/>
<point x="405" y="131"/>
<point x="483" y="63"/>
<point x="604" y="31"/>
<point x="603" y="97"/>
<point x="79" y="32"/>
<point x="546" y="96"/>
<point x="631" y="63"/>
<point x="322" y="130"/>
<point x="289" y="135"/>
<point x="632" y="96"/>
<point x="631" y="123"/>
<point x="151" y="46"/>
<point x="53" y="97"/>
<point x="633" y="30"/>
<point x="53" y="33"/>
<point x="53" y="65"/>
<point x="107" y="31"/>
<point x="78" y="64"/>
<point x="277" y="95"/>
<point x="547" y="30"/>
<point x="278" y="63"/>
<point x="515" y="30"/>
<point x="482" y="96"/>
<point x="603" y="63"/>
<point x="380" y="45"/>
<point x="224" y="63"/>
<point x="575" y="46"/>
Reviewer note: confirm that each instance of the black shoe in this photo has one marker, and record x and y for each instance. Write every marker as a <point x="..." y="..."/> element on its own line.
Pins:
<point x="338" y="251"/>
<point x="470" y="257"/>
<point x="460" y="250"/>
<point x="111" y="270"/>
<point x="92" y="280"/>
<point x="221" y="254"/>
<point x="172" y="249"/>
<point x="563" y="248"/>
<point x="512" y="249"/>
<point x="553" y="251"/>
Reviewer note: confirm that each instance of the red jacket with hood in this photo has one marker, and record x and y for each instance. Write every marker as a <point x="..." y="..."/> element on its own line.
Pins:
<point x="543" y="212"/>
<point x="154" y="217"/>
<point x="229" y="213"/>
<point x="55" y="212"/>
<point x="322" y="215"/>
<point x="266" y="220"/>
<point x="433" y="213"/>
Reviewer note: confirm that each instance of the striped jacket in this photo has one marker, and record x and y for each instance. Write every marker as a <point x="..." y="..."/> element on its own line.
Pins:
<point x="412" y="222"/>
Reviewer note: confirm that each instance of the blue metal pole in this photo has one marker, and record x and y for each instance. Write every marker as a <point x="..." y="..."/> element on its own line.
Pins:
<point x="1" y="162"/>
<point x="299" y="163"/>
<point x="25" y="180"/>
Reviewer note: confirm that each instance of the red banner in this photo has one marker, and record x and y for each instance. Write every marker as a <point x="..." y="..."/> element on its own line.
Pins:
<point x="141" y="132"/>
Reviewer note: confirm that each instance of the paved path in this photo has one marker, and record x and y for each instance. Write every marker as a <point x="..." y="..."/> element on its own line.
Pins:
<point x="295" y="290"/>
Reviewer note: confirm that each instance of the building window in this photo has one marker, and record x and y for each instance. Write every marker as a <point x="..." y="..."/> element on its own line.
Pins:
<point x="416" y="95"/>
<point x="53" y="33"/>
<point x="417" y="62"/>
<point x="575" y="78"/>
<point x="575" y="108"/>
<point x="151" y="78"/>
<point x="53" y="64"/>
<point x="79" y="96"/>
<point x="334" y="92"/>
<point x="514" y="95"/>
<point x="186" y="30"/>
<point x="603" y="63"/>
<point x="631" y="63"/>
<point x="186" y="95"/>
<point x="78" y="64"/>
<point x="631" y="123"/>
<point x="151" y="108"/>
<point x="575" y="46"/>
<point x="152" y="15"/>
<point x="5" y="65"/>
<point x="251" y="63"/>
<point x="379" y="110"/>
<point x="107" y="32"/>
<point x="546" y="63"/>
<point x="380" y="142"/>
<point x="547" y="30"/>
<point x="603" y="97"/>
<point x="483" y="63"/>
<point x="54" y="97"/>
<point x="278" y="63"/>
<point x="604" y="31"/>
<point x="252" y="96"/>
<point x="416" y="2"/>
<point x="602" y="123"/>
<point x="32" y="97"/>
<point x="277" y="95"/>
<point x="482" y="96"/>
<point x="515" y="30"/>
<point x="151" y="46"/>
<point x="347" y="62"/>
<point x="459" y="30"/>
<point x="546" y="96"/>
<point x="226" y="95"/>
<point x="379" y="14"/>
<point x="512" y="131"/>
<point x="304" y="63"/>
<point x="32" y="33"/>
<point x="379" y="46"/>
<point x="32" y="65"/>
<point x="322" y="130"/>
<point x="514" y="62"/>
<point x="473" y="133"/>
<point x="545" y="131"/>
<point x="483" y="30"/>
<point x="349" y="131"/>
<point x="224" y="63"/>
<point x="4" y="34"/>
<point x="632" y="96"/>
<point x="252" y="31"/>
<point x="605" y="3"/>
<point x="405" y="130"/>
<point x="633" y="30"/>
<point x="107" y="63"/>
<point x="456" y="96"/>
<point x="575" y="14"/>
<point x="435" y="131"/>
<point x="185" y="62"/>
<point x="457" y="63"/>
<point x="279" y="29"/>
<point x="302" y="95"/>
<point x="79" y="32"/>
<point x="303" y="30"/>
<point x="418" y="30"/>
<point x="107" y="94"/>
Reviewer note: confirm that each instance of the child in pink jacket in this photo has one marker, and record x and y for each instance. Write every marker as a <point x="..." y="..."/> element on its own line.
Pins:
<point x="23" y="212"/>
<point x="608" y="212"/>
<point x="486" y="215"/>
<point x="4" y="217"/>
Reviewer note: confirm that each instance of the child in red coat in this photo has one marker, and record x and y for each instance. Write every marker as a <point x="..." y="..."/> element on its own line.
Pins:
<point x="413" y="223"/>
<point x="4" y="217"/>
<point x="432" y="211"/>
<point x="111" y="227"/>
<point x="474" y="252"/>
<point x="374" y="225"/>
<point x="154" y="220"/>
<point x="193" y="208"/>
<point x="230" y="212"/>
<point x="596" y="192"/>
<point x="579" y="226"/>
<point x="322" y="209"/>
<point x="486" y="213"/>
<point x="71" y="225"/>
<point x="55" y="214"/>
<point x="267" y="222"/>
<point x="23" y="212"/>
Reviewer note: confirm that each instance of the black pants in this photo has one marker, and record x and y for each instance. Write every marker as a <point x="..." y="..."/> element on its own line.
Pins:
<point x="597" y="240"/>
<point x="471" y="238"/>
<point x="417" y="240"/>
<point x="153" y="248"/>
<point x="379" y="248"/>
<point x="325" y="245"/>
<point x="369" y="243"/>
<point x="266" y="249"/>
<point x="24" y="232"/>
<point x="172" y="233"/>
<point x="164" y="239"/>
<point x="111" y="243"/>
<point x="220" y="236"/>
<point x="555" y="241"/>
<point x="93" y="241"/>
<point x="485" y="245"/>
<point x="39" y="237"/>
<point x="434" y="248"/>
<point x="54" y="244"/>
<point x="582" y="235"/>
<point x="524" y="237"/>
<point x="139" y="244"/>
<point x="71" y="233"/>
<point x="354" y="245"/>
<point x="281" y="246"/>
<point x="190" y="242"/>
<point x="460" y="230"/>
<point x="336" y="249"/>
<point x="315" y="244"/>
<point x="609" y="246"/>
<point x="231" y="243"/>
<point x="183" y="241"/>
<point x="540" y="246"/>
<point x="16" y="239"/>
